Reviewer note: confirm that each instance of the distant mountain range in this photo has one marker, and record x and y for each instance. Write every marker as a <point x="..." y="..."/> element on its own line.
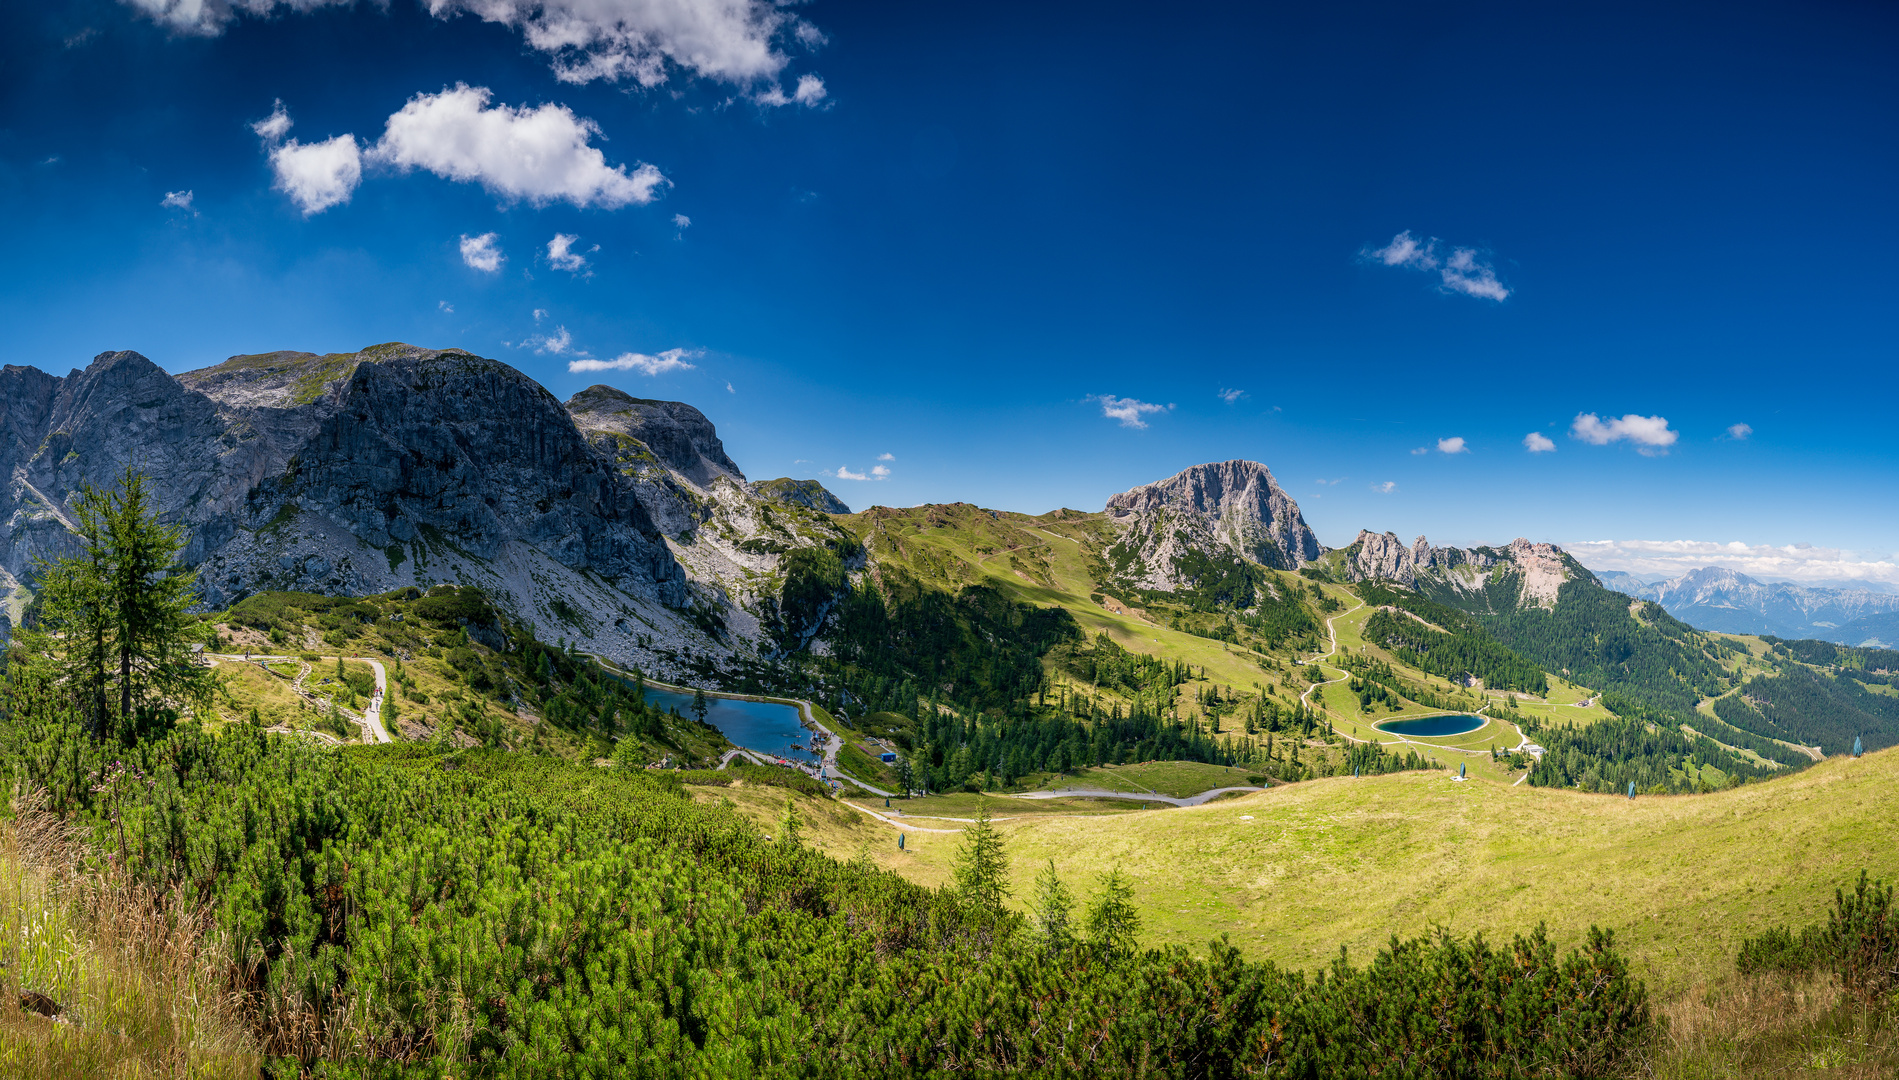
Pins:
<point x="1715" y="598"/>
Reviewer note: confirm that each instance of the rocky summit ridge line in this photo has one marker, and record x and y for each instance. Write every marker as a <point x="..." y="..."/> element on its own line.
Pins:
<point x="619" y="524"/>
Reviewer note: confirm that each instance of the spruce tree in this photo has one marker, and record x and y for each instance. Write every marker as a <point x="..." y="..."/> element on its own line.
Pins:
<point x="982" y="866"/>
<point x="793" y="824"/>
<point x="115" y="621"/>
<point x="1054" y="910"/>
<point x="1113" y="924"/>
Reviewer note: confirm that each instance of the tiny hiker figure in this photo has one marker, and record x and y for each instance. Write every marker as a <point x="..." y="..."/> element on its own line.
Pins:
<point x="1631" y="789"/>
<point x="899" y="841"/>
<point x="1857" y="748"/>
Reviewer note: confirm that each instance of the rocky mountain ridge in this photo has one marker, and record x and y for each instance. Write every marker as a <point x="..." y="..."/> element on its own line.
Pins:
<point x="1231" y="507"/>
<point x="616" y="523"/>
<point x="1717" y="598"/>
<point x="1536" y="571"/>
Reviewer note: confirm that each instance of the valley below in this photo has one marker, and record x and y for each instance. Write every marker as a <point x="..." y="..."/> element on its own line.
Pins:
<point x="448" y="662"/>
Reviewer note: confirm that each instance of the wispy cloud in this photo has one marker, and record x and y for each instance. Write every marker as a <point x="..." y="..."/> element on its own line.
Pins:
<point x="1385" y="488"/>
<point x="1789" y="562"/>
<point x="1453" y="445"/>
<point x="1127" y="410"/>
<point x="1416" y="451"/>
<point x="670" y="360"/>
<point x="559" y="342"/>
<point x="886" y="457"/>
<point x="446" y="307"/>
<point x="1650" y="434"/>
<point x="178" y="200"/>
<point x="1464" y="270"/>
<point x="562" y="256"/>
<point x="1737" y="432"/>
<point x="1232" y="396"/>
<point x="1538" y="443"/>
<point x="744" y="43"/>
<point x="484" y="253"/>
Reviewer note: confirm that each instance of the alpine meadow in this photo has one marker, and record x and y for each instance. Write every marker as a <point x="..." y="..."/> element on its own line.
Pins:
<point x="1081" y="694"/>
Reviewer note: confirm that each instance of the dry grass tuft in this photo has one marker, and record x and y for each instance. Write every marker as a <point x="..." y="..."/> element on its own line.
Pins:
<point x="1767" y="1027"/>
<point x="139" y="984"/>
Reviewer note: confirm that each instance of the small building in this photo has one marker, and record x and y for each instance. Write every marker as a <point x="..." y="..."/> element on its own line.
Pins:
<point x="887" y="757"/>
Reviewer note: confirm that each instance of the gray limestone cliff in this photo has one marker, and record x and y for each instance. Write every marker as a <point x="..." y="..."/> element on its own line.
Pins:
<point x="355" y="473"/>
<point x="1234" y="507"/>
<point x="809" y="494"/>
<point x="1534" y="572"/>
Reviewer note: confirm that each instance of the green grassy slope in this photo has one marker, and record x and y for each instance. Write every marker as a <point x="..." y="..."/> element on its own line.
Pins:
<point x="1293" y="873"/>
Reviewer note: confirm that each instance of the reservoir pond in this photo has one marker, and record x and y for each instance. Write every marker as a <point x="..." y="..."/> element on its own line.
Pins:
<point x="1428" y="726"/>
<point x="764" y="726"/>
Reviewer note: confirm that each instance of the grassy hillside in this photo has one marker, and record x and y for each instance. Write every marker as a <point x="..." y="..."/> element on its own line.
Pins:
<point x="1291" y="874"/>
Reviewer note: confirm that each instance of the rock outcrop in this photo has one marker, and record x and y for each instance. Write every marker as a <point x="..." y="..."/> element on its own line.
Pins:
<point x="809" y="494"/>
<point x="1235" y="507"/>
<point x="357" y="473"/>
<point x="1538" y="571"/>
<point x="677" y="434"/>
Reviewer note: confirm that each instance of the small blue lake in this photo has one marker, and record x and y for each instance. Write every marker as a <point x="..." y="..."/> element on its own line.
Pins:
<point x="764" y="726"/>
<point x="1428" y="726"/>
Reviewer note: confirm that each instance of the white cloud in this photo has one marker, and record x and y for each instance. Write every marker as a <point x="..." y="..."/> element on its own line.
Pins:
<point x="446" y="307"/>
<point x="1538" y="443"/>
<point x="1452" y="445"/>
<point x="274" y="127"/>
<point x="1127" y="410"/>
<point x="540" y="155"/>
<point x="1385" y="488"/>
<point x="560" y="341"/>
<point x="731" y="41"/>
<point x="1420" y="450"/>
<point x="681" y="222"/>
<point x="880" y="471"/>
<point x="844" y="473"/>
<point x="540" y="313"/>
<point x="178" y="200"/>
<point x="1650" y="433"/>
<point x="1788" y="562"/>
<point x="810" y="91"/>
<point x="561" y="256"/>
<point x="320" y="175"/>
<point x="729" y="390"/>
<point x="1231" y="396"/>
<point x="670" y="360"/>
<point x="1737" y="432"/>
<point x="886" y="457"/>
<point x="1462" y="271"/>
<point x="484" y="253"/>
<point x="208" y="18"/>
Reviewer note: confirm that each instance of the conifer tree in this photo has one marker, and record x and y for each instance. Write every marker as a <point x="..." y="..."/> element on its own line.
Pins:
<point x="982" y="866"/>
<point x="115" y="623"/>
<point x="1113" y="924"/>
<point x="793" y="824"/>
<point x="1054" y="910"/>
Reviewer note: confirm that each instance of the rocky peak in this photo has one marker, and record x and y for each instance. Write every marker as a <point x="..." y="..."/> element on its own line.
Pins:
<point x="278" y="380"/>
<point x="677" y="434"/>
<point x="806" y="493"/>
<point x="1232" y="505"/>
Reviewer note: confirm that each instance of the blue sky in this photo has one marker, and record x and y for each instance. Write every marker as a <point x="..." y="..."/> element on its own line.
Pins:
<point x="983" y="239"/>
